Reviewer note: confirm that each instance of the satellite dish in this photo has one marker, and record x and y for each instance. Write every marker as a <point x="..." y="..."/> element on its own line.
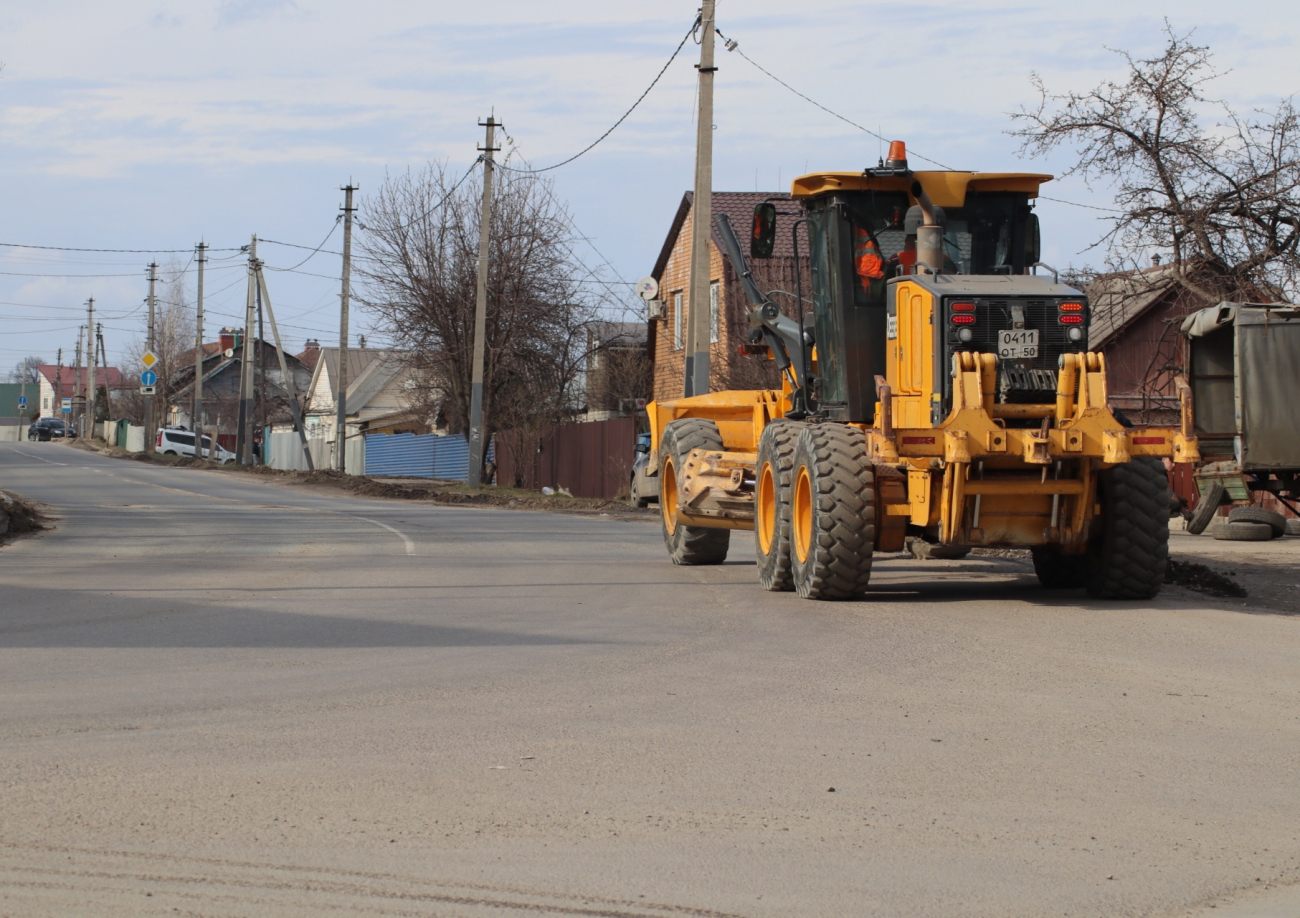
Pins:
<point x="230" y="352"/>
<point x="647" y="288"/>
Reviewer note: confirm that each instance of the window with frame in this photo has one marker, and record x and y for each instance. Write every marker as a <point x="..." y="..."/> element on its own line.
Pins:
<point x="714" y="317"/>
<point x="677" y="321"/>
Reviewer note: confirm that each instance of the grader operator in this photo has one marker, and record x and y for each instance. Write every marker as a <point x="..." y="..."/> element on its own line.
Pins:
<point x="938" y="388"/>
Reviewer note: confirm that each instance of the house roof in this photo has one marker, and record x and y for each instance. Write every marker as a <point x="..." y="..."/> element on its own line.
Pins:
<point x="1117" y="300"/>
<point x="64" y="378"/>
<point x="624" y="333"/>
<point x="739" y="208"/>
<point x="310" y="357"/>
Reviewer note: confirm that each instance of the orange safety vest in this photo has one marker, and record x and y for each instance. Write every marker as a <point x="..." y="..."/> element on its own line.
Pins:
<point x="866" y="258"/>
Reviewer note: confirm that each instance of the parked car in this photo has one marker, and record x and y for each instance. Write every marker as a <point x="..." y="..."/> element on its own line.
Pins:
<point x="644" y="488"/>
<point x="49" y="428"/>
<point x="178" y="441"/>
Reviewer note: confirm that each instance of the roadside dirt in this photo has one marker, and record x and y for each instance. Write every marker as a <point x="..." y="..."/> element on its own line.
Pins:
<point x="435" y="491"/>
<point x="19" y="517"/>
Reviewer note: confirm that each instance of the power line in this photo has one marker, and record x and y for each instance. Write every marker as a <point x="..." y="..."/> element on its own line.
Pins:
<point x="1109" y="210"/>
<point x="313" y="251"/>
<point x="639" y="100"/>
<point x="65" y="248"/>
<point x="732" y="45"/>
<point x="445" y="199"/>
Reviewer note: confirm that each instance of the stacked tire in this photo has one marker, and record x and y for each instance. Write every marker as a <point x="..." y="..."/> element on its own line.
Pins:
<point x="1251" y="524"/>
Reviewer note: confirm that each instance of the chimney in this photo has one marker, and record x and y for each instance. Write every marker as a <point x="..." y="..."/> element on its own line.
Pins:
<point x="230" y="339"/>
<point x="312" y="347"/>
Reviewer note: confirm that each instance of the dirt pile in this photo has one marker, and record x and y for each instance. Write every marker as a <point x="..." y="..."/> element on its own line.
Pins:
<point x="17" y="517"/>
<point x="1202" y="579"/>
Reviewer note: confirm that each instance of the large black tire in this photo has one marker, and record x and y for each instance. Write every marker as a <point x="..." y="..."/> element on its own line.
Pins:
<point x="1129" y="548"/>
<point x="1059" y="571"/>
<point x="833" y="512"/>
<point x="687" y="544"/>
<point x="1243" y="531"/>
<point x="1276" y="521"/>
<point x="772" y="478"/>
<point x="1207" y="506"/>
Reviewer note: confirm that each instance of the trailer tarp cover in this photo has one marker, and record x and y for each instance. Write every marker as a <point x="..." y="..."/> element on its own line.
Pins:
<point x="1266" y="378"/>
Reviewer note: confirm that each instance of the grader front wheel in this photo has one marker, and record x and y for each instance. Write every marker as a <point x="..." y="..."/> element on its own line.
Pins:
<point x="773" y="469"/>
<point x="833" y="521"/>
<point x="687" y="544"/>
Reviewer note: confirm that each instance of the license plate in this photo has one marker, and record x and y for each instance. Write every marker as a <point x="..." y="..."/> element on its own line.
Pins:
<point x="1018" y="342"/>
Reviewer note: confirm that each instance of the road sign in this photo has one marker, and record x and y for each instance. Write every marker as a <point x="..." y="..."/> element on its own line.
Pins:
<point x="149" y="378"/>
<point x="67" y="406"/>
<point x="146" y="390"/>
<point x="22" y="401"/>
<point x="149" y="359"/>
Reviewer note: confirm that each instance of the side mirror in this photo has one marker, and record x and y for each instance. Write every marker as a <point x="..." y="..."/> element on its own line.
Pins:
<point x="763" y="237"/>
<point x="1033" y="244"/>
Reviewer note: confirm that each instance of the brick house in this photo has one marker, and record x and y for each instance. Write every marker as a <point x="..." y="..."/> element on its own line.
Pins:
<point x="728" y="308"/>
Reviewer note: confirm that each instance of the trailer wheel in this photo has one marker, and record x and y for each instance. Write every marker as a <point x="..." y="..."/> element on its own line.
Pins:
<point x="772" y="478"/>
<point x="1275" y="520"/>
<point x="1057" y="570"/>
<point x="1129" y="549"/>
<point x="1206" y="507"/>
<point x="832" y="512"/>
<point x="687" y="544"/>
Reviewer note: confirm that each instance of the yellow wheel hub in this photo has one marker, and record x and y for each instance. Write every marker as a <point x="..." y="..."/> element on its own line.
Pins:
<point x="766" y="508"/>
<point x="802" y="513"/>
<point x="668" y="494"/>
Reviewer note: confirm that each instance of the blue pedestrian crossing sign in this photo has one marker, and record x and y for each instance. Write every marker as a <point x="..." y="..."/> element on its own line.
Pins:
<point x="148" y="378"/>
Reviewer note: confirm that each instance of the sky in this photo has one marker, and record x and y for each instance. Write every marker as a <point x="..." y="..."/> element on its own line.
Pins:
<point x="154" y="125"/>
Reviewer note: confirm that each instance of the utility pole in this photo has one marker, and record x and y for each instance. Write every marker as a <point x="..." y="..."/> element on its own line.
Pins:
<point x="90" y="367"/>
<point x="697" y="336"/>
<point x="243" y="442"/>
<point x="150" y="417"/>
<point x="103" y="359"/>
<point x="290" y="384"/>
<point x="341" y="396"/>
<point x="197" y="413"/>
<point x="58" y="389"/>
<point x="76" y="384"/>
<point x="480" y="313"/>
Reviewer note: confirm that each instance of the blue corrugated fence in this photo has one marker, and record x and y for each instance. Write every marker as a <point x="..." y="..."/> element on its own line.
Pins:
<point x="418" y="456"/>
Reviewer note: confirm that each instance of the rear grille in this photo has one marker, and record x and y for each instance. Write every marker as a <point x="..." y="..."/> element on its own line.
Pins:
<point x="1025" y="380"/>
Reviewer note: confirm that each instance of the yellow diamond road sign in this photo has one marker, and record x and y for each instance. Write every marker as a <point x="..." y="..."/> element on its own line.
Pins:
<point x="149" y="359"/>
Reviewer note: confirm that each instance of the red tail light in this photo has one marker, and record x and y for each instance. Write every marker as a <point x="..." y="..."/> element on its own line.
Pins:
<point x="1071" y="307"/>
<point x="1071" y="320"/>
<point x="963" y="307"/>
<point x="963" y="320"/>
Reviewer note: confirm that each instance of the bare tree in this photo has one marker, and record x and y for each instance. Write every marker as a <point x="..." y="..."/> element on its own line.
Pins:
<point x="1214" y="189"/>
<point x="419" y="265"/>
<point x="25" y="370"/>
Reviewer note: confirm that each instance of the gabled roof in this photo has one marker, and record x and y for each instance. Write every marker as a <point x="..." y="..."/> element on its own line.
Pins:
<point x="739" y="208"/>
<point x="64" y="378"/>
<point x="386" y="364"/>
<point x="1118" y="300"/>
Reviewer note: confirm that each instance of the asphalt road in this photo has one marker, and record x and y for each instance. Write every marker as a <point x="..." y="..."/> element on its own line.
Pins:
<point x="220" y="696"/>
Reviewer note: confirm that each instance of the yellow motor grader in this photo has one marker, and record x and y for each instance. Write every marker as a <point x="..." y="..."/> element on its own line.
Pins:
<point x="938" y="388"/>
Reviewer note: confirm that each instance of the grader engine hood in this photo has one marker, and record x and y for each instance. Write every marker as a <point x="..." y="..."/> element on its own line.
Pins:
<point x="1027" y="322"/>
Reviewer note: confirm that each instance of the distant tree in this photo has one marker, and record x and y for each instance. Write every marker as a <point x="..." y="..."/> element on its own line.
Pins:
<point x="1212" y="191"/>
<point x="419" y="276"/>
<point x="25" y="371"/>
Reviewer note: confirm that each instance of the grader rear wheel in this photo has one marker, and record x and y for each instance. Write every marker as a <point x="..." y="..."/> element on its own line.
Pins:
<point x="773" y="469"/>
<point x="1129" y="549"/>
<point x="832" y="510"/>
<point x="687" y="544"/>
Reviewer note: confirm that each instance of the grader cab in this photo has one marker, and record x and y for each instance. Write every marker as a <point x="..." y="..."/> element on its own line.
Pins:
<point x="938" y="388"/>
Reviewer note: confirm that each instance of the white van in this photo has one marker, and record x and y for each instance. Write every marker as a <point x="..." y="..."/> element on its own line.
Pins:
<point x="177" y="441"/>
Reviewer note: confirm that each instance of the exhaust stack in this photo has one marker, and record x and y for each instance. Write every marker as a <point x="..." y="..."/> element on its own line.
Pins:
<point x="929" y="236"/>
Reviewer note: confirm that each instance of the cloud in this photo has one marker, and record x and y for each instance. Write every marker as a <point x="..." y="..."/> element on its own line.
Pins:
<point x="233" y="12"/>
